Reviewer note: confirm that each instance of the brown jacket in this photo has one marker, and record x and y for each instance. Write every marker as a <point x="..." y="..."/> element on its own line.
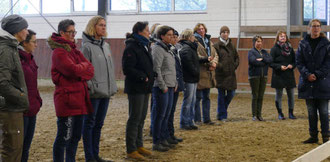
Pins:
<point x="207" y="77"/>
<point x="228" y="63"/>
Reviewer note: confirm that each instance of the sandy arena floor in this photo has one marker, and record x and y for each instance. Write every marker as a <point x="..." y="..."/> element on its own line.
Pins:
<point x="239" y="139"/>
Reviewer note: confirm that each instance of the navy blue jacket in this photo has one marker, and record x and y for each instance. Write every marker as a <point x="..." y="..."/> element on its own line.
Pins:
<point x="178" y="68"/>
<point x="258" y="68"/>
<point x="316" y="63"/>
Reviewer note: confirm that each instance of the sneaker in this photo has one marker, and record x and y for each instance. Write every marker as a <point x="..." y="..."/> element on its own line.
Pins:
<point x="136" y="156"/>
<point x="281" y="117"/>
<point x="193" y="127"/>
<point x="98" y="159"/>
<point x="198" y="123"/>
<point x="172" y="141"/>
<point x="159" y="147"/>
<point x="325" y="139"/>
<point x="209" y="122"/>
<point x="166" y="144"/>
<point x="177" y="139"/>
<point x="144" y="151"/>
<point x="311" y="140"/>
<point x="254" y="118"/>
<point x="260" y="118"/>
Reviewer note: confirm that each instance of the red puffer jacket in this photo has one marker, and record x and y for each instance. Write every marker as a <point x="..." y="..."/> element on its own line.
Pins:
<point x="30" y="70"/>
<point x="70" y="71"/>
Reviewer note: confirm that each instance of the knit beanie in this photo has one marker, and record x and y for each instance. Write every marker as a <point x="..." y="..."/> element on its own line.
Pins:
<point x="13" y="24"/>
<point x="223" y="29"/>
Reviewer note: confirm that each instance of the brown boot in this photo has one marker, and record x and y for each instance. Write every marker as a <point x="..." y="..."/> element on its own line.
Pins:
<point x="144" y="151"/>
<point x="135" y="155"/>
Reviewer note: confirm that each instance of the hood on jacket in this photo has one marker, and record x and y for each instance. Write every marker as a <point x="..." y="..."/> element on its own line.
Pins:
<point x="56" y="41"/>
<point x="87" y="38"/>
<point x="7" y="38"/>
<point x="162" y="44"/>
<point x="193" y="45"/>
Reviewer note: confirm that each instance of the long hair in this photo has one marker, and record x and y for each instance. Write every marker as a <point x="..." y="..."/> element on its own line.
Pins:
<point x="198" y="25"/>
<point x="90" y="28"/>
<point x="278" y="35"/>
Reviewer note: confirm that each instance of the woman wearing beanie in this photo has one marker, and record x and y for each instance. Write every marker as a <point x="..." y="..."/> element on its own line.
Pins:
<point x="30" y="70"/>
<point x="283" y="75"/>
<point x="225" y="72"/>
<point x="14" y="95"/>
<point x="101" y="87"/>
<point x="70" y="73"/>
<point x="259" y="60"/>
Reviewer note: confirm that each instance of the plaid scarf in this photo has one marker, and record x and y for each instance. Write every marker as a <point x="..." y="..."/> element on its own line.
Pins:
<point x="285" y="48"/>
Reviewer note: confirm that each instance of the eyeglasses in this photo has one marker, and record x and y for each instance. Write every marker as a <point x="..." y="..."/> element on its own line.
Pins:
<point x="72" y="32"/>
<point x="316" y="26"/>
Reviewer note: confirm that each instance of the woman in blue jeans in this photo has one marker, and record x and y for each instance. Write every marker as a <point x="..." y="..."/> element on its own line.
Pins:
<point x="101" y="87"/>
<point x="283" y="72"/>
<point x="190" y="68"/>
<point x="164" y="87"/>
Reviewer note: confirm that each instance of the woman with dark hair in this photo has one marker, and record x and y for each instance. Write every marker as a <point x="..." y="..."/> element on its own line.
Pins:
<point x="164" y="87"/>
<point x="259" y="60"/>
<point x="70" y="73"/>
<point x="101" y="87"/>
<point x="283" y="75"/>
<point x="30" y="70"/>
<point x="138" y="68"/>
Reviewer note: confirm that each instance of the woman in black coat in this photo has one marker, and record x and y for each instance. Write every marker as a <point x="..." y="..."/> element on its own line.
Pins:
<point x="283" y="75"/>
<point x="138" y="69"/>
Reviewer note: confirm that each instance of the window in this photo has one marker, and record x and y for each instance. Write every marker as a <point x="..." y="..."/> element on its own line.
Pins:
<point x="315" y="9"/>
<point x="85" y="5"/>
<point x="123" y="5"/>
<point x="4" y="7"/>
<point x="24" y="7"/>
<point x="158" y="5"/>
<point x="55" y="6"/>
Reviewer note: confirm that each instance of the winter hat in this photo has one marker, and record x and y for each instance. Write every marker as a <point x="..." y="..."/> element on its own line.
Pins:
<point x="13" y="24"/>
<point x="223" y="29"/>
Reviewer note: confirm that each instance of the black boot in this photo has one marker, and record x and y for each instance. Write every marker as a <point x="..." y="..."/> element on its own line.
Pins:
<point x="325" y="137"/>
<point x="279" y="110"/>
<point x="291" y="116"/>
<point x="312" y="139"/>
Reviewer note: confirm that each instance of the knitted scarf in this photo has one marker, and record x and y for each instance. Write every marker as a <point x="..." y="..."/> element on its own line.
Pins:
<point x="285" y="48"/>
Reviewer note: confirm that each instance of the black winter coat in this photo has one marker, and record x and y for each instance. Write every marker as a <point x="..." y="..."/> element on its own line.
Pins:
<point x="190" y="61"/>
<point x="137" y="67"/>
<point x="178" y="68"/>
<point x="317" y="63"/>
<point x="282" y="79"/>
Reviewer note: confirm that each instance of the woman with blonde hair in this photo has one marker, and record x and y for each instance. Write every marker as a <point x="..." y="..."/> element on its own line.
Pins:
<point x="283" y="75"/>
<point x="101" y="87"/>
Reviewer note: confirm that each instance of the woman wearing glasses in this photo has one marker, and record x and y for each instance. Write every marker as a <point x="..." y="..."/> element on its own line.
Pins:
<point x="70" y="73"/>
<point x="259" y="60"/>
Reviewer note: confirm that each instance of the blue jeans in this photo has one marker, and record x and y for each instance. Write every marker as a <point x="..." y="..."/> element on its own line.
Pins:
<point x="188" y="104"/>
<point x="67" y="138"/>
<point x="29" y="126"/>
<point x="204" y="95"/>
<point x="161" y="113"/>
<point x="93" y="123"/>
<point x="171" y="118"/>
<point x="321" y="105"/>
<point x="224" y="99"/>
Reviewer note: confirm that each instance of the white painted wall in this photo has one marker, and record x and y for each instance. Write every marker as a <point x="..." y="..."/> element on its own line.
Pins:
<point x="219" y="12"/>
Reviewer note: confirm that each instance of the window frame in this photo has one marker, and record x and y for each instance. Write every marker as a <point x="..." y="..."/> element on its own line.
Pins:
<point x="313" y="8"/>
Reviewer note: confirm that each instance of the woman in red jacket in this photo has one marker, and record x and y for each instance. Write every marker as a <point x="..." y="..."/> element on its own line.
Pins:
<point x="70" y="71"/>
<point x="30" y="70"/>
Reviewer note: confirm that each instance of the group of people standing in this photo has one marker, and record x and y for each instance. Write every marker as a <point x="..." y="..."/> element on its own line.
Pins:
<point x="85" y="80"/>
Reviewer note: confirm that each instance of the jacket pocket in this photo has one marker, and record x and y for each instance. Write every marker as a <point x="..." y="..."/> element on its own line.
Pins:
<point x="74" y="98"/>
<point x="324" y="85"/>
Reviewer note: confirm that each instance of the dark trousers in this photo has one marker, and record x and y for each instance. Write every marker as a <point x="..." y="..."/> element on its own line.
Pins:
<point x="224" y="99"/>
<point x="204" y="95"/>
<point x="67" y="138"/>
<point x="161" y="113"/>
<point x="320" y="105"/>
<point x="278" y="97"/>
<point x="258" y="86"/>
<point x="93" y="124"/>
<point x="11" y="136"/>
<point x="138" y="108"/>
<point x="29" y="126"/>
<point x="172" y="111"/>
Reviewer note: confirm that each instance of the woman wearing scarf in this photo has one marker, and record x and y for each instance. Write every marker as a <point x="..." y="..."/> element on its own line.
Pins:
<point x="138" y="69"/>
<point x="283" y="74"/>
